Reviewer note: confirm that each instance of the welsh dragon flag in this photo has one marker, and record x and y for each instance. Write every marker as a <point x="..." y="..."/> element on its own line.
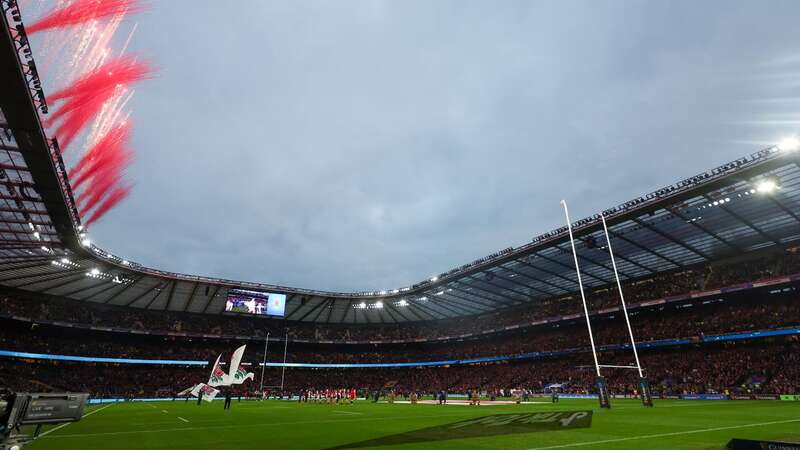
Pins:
<point x="238" y="375"/>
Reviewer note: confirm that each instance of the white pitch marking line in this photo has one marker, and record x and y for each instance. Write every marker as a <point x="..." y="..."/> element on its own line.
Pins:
<point x="181" y="418"/>
<point x="676" y="433"/>
<point x="164" y="411"/>
<point x="349" y="412"/>
<point x="65" y="424"/>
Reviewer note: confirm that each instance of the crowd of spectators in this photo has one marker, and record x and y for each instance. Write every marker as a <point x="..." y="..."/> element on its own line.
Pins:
<point x="659" y="286"/>
<point x="742" y="312"/>
<point x="698" y="369"/>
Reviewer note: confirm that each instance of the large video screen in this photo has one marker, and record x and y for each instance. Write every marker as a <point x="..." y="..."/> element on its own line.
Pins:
<point x="254" y="302"/>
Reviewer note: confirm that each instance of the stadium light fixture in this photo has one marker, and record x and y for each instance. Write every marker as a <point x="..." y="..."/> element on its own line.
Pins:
<point x="379" y="305"/>
<point x="402" y="303"/>
<point x="362" y="305"/>
<point x="789" y="144"/>
<point x="64" y="261"/>
<point x="86" y="242"/>
<point x="434" y="278"/>
<point x="766" y="186"/>
<point x="95" y="272"/>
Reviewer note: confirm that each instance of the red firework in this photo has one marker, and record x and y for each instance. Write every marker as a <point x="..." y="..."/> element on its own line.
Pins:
<point x="119" y="194"/>
<point x="82" y="11"/>
<point x="118" y="135"/>
<point x="84" y="99"/>
<point x="121" y="71"/>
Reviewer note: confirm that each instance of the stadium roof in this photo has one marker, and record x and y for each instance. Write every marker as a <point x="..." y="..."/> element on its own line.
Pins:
<point x="749" y="204"/>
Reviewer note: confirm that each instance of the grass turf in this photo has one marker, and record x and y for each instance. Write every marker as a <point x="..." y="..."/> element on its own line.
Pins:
<point x="672" y="424"/>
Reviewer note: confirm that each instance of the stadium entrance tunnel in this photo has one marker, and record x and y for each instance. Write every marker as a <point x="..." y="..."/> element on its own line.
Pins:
<point x="493" y="425"/>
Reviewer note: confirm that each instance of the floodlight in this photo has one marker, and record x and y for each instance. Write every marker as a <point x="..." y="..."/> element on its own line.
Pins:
<point x="789" y="144"/>
<point x="362" y="305"/>
<point x="402" y="303"/>
<point x="379" y="305"/>
<point x="86" y="242"/>
<point x="95" y="271"/>
<point x="64" y="261"/>
<point x="434" y="278"/>
<point x="766" y="186"/>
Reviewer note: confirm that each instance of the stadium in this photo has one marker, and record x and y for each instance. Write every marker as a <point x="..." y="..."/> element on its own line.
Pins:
<point x="671" y="320"/>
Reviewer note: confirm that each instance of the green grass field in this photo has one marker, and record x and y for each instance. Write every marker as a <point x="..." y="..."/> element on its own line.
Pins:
<point x="672" y="424"/>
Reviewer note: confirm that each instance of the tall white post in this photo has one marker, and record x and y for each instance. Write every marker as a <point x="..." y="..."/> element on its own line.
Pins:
<point x="264" y="363"/>
<point x="285" y="347"/>
<point x="621" y="296"/>
<point x="580" y="286"/>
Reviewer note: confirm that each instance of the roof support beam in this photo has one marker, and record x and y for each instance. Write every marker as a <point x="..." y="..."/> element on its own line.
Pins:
<point x="142" y="295"/>
<point x="314" y="308"/>
<point x="494" y="300"/>
<point x="666" y="236"/>
<point x="160" y="289"/>
<point x="74" y="280"/>
<point x="535" y="280"/>
<point x="512" y="281"/>
<point x="58" y="276"/>
<point x="468" y="307"/>
<point x="113" y="285"/>
<point x="171" y="294"/>
<point x="397" y="311"/>
<point x="108" y="300"/>
<point x="549" y="272"/>
<point x="705" y="230"/>
<point x="746" y="222"/>
<point x="191" y="297"/>
<point x="211" y="297"/>
<point x="525" y="296"/>
<point x="473" y="301"/>
<point x="646" y="250"/>
<point x="327" y="305"/>
<point x="583" y="272"/>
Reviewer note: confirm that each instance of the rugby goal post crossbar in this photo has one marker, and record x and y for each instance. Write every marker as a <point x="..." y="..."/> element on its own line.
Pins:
<point x="602" y="386"/>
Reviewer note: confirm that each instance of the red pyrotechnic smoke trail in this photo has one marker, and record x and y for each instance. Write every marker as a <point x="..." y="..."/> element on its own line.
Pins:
<point x="115" y="141"/>
<point x="99" y="173"/>
<point x="84" y="98"/>
<point x="119" y="194"/>
<point x="82" y="11"/>
<point x="122" y="70"/>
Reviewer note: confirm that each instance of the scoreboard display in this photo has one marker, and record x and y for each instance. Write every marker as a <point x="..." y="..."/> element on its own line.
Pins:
<point x="255" y="302"/>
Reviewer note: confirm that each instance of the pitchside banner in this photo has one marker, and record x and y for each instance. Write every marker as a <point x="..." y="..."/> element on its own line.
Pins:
<point x="746" y="444"/>
<point x="496" y="424"/>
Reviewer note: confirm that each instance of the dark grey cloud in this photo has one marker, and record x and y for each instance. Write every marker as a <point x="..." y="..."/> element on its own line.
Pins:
<point x="368" y="145"/>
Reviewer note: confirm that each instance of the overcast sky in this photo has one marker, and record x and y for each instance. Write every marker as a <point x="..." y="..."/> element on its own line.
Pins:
<point x="358" y="145"/>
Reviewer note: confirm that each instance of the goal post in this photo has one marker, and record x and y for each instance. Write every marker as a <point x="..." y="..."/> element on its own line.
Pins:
<point x="601" y="383"/>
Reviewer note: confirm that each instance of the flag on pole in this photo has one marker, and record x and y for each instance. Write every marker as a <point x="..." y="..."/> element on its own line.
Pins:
<point x="218" y="376"/>
<point x="186" y="391"/>
<point x="208" y="392"/>
<point x="238" y="375"/>
<point x="241" y="376"/>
